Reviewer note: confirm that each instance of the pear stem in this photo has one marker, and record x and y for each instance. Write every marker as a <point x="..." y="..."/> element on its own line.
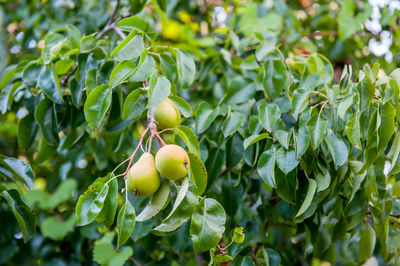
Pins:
<point x="136" y="150"/>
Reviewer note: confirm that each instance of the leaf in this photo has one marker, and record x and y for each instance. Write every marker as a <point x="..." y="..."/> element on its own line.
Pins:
<point x="186" y="68"/>
<point x="27" y="131"/>
<point x="130" y="48"/>
<point x="286" y="159"/>
<point x="312" y="185"/>
<point x="338" y="149"/>
<point x="301" y="140"/>
<point x="190" y="139"/>
<point x="50" y="85"/>
<point x="286" y="185"/>
<point x="45" y="115"/>
<point x="182" y="105"/>
<point x="366" y="93"/>
<point x="299" y="102"/>
<point x="198" y="172"/>
<point x="168" y="66"/>
<point x="367" y="243"/>
<point x="125" y="223"/>
<point x="387" y="127"/>
<point x="253" y="139"/>
<point x="205" y="115"/>
<point x="207" y="225"/>
<point x="233" y="123"/>
<point x="25" y="217"/>
<point x="133" y="22"/>
<point x="275" y="78"/>
<point x="353" y="130"/>
<point x="266" y="167"/>
<point x="268" y="114"/>
<point x="316" y="129"/>
<point x="121" y="73"/>
<point x="238" y="235"/>
<point x="145" y="68"/>
<point x="134" y="105"/>
<point x="54" y="229"/>
<point x="107" y="214"/>
<point x="97" y="104"/>
<point x="92" y="201"/>
<point x="159" y="90"/>
<point x="157" y="202"/>
<point x="183" y="208"/>
<point x="45" y="152"/>
<point x="19" y="169"/>
<point x="105" y="254"/>
<point x="344" y="105"/>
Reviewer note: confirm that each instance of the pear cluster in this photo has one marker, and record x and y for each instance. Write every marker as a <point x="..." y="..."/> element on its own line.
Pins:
<point x="171" y="161"/>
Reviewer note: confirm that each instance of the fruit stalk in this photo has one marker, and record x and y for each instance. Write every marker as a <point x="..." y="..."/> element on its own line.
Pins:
<point x="136" y="150"/>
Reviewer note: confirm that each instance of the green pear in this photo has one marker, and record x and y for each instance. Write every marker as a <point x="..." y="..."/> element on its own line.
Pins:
<point x="143" y="178"/>
<point x="167" y="115"/>
<point x="172" y="162"/>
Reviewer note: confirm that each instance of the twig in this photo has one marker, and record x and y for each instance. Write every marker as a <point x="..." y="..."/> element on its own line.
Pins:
<point x="335" y="33"/>
<point x="119" y="32"/>
<point x="64" y="80"/>
<point x="136" y="150"/>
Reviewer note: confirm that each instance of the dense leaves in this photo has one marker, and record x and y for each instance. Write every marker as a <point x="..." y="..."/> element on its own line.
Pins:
<point x="290" y="121"/>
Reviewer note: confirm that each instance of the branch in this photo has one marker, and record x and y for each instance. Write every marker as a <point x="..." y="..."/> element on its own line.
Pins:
<point x="111" y="24"/>
<point x="335" y="33"/>
<point x="65" y="79"/>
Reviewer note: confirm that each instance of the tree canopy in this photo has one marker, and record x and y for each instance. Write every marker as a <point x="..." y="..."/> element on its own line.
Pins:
<point x="290" y="121"/>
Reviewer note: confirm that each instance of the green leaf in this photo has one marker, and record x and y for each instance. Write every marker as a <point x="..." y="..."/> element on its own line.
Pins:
<point x="366" y="93"/>
<point x="183" y="106"/>
<point x="125" y="222"/>
<point x="316" y="129"/>
<point x="50" y="85"/>
<point x="367" y="243"/>
<point x="27" y="131"/>
<point x="198" y="172"/>
<point x="268" y="114"/>
<point x="338" y="149"/>
<point x="254" y="139"/>
<point x="18" y="169"/>
<point x="394" y="151"/>
<point x="92" y="201"/>
<point x="131" y="23"/>
<point x="353" y="130"/>
<point x="286" y="186"/>
<point x="387" y="127"/>
<point x="168" y="66"/>
<point x="134" y="105"/>
<point x="121" y="73"/>
<point x="205" y="115"/>
<point x="344" y="105"/>
<point x="105" y="254"/>
<point x="190" y="139"/>
<point x="286" y="159"/>
<point x="207" y="225"/>
<point x="266" y="167"/>
<point x="97" y="104"/>
<point x="46" y="151"/>
<point x="145" y="68"/>
<point x="107" y="214"/>
<point x="158" y="201"/>
<point x="302" y="140"/>
<point x="299" y="102"/>
<point x="183" y="208"/>
<point x="159" y="90"/>
<point x="45" y="115"/>
<point x="275" y="78"/>
<point x="233" y="123"/>
<point x="130" y="48"/>
<point x="25" y="217"/>
<point x="312" y="185"/>
<point x="54" y="229"/>
<point x="238" y="235"/>
<point x="186" y="68"/>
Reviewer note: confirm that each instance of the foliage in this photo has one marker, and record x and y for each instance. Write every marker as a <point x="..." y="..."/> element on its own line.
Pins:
<point x="290" y="123"/>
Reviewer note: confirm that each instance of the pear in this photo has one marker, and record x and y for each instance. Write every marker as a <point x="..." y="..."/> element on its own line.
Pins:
<point x="172" y="162"/>
<point x="143" y="179"/>
<point x="167" y="115"/>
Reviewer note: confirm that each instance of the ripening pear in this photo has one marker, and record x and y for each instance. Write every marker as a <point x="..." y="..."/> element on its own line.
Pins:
<point x="172" y="162"/>
<point x="143" y="178"/>
<point x="167" y="115"/>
